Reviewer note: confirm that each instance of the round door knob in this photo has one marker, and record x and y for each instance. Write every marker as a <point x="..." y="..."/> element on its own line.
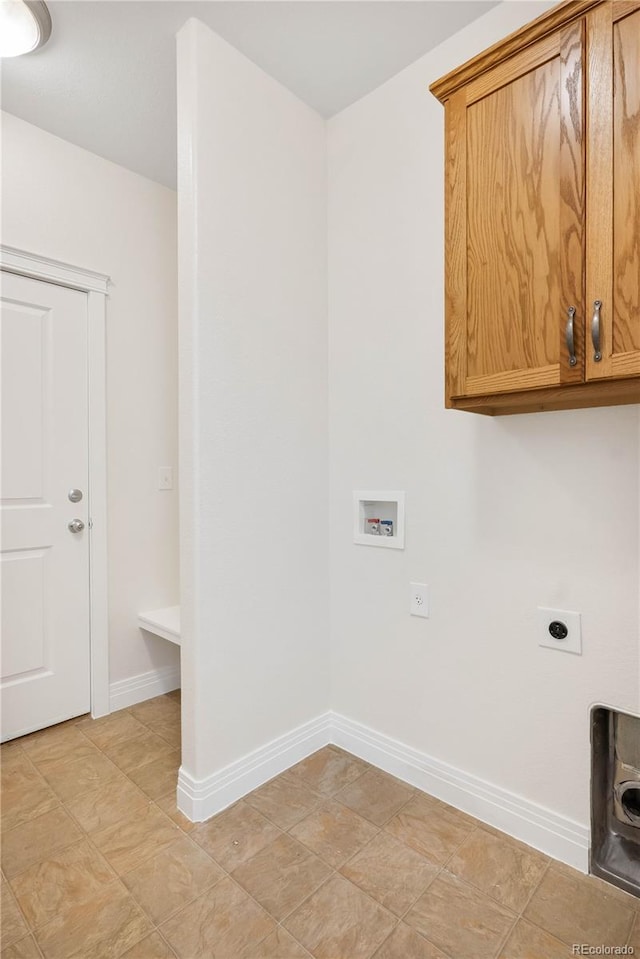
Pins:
<point x="75" y="526"/>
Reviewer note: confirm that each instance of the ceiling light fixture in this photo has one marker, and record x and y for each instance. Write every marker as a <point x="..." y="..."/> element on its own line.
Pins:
<point x="25" y="25"/>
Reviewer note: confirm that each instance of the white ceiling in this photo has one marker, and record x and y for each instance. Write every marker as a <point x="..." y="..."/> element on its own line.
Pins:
<point x="106" y="78"/>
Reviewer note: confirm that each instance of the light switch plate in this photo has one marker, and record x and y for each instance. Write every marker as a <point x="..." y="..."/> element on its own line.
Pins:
<point x="165" y="477"/>
<point x="572" y="642"/>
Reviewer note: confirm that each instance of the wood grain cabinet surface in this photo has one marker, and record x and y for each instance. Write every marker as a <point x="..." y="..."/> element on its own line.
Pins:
<point x="542" y="185"/>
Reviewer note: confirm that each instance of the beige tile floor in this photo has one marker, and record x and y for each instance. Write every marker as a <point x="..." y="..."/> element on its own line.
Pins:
<point x="333" y="859"/>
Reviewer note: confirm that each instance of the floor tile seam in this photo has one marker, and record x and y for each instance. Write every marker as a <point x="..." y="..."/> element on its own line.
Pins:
<point x="167" y="741"/>
<point x="242" y="890"/>
<point x="430" y="942"/>
<point x="328" y="799"/>
<point x="360" y="850"/>
<point x="443" y="869"/>
<point x="58" y="849"/>
<point x="65" y="803"/>
<point x="37" y="945"/>
<point x="386" y="939"/>
<point x="458" y="848"/>
<point x="475" y="889"/>
<point x="140" y="862"/>
<point x="111" y="742"/>
<point x="606" y="888"/>
<point x="400" y="917"/>
<point x="133" y="783"/>
<point x="321" y="857"/>
<point x="505" y="937"/>
<point x="225" y="875"/>
<point x="363" y="816"/>
<point x="150" y="724"/>
<point x="297" y="941"/>
<point x="41" y="776"/>
<point x="94" y="786"/>
<point x="77" y="842"/>
<point x="545" y="929"/>
<point x="205" y="851"/>
<point x="31" y="936"/>
<point x="369" y="822"/>
<point x="440" y="864"/>
<point x="371" y="899"/>
<point x="130" y="945"/>
<point x="315" y="889"/>
<point x="158" y="922"/>
<point x="272" y="821"/>
<point x="281" y="922"/>
<point x="22" y="913"/>
<point x="58" y="802"/>
<point x="329" y="795"/>
<point x="138" y="765"/>
<point x="62" y="761"/>
<point x="38" y="930"/>
<point x="144" y="722"/>
<point x="65" y="911"/>
<point x="407" y="911"/>
<point x="429" y="883"/>
<point x="159" y="932"/>
<point x="470" y="882"/>
<point x="341" y="751"/>
<point x="536" y="886"/>
<point x="632" y="926"/>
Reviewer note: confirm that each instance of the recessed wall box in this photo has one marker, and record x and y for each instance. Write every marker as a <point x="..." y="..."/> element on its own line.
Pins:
<point x="378" y="518"/>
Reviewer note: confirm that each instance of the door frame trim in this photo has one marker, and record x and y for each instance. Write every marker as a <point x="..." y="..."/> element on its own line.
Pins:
<point x="96" y="286"/>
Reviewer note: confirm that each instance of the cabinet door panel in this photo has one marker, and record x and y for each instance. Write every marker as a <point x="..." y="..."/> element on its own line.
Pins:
<point x="626" y="179"/>
<point x="613" y="270"/>
<point x="523" y="140"/>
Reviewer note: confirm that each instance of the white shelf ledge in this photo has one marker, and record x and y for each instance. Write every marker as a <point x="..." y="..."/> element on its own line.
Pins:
<point x="162" y="622"/>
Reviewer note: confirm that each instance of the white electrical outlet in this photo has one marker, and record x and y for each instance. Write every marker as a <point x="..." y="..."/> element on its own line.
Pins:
<point x="559" y="629"/>
<point x="165" y="477"/>
<point x="419" y="600"/>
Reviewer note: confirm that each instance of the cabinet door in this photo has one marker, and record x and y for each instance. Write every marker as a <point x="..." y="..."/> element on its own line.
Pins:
<point x="515" y="215"/>
<point x="613" y="191"/>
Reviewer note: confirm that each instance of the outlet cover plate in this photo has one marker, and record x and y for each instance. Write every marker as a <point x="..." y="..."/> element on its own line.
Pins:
<point x="419" y="600"/>
<point x="572" y="643"/>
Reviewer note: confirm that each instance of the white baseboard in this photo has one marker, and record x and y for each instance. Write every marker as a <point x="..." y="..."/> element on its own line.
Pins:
<point x="128" y="692"/>
<point x="556" y="835"/>
<point x="201" y="799"/>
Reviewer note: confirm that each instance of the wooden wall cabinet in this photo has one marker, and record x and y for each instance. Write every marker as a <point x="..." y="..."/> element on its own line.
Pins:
<point x="542" y="245"/>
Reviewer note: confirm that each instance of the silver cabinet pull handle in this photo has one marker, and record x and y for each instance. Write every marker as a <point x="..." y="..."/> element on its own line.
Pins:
<point x="571" y="314"/>
<point x="75" y="526"/>
<point x="595" y="330"/>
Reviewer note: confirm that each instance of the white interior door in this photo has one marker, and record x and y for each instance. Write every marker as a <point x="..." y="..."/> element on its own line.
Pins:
<point x="44" y="566"/>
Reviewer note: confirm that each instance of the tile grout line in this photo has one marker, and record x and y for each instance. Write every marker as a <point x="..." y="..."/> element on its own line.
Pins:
<point x="117" y="876"/>
<point x="87" y="837"/>
<point x="334" y="871"/>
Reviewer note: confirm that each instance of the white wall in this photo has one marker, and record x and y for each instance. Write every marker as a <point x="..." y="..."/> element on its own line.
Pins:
<point x="503" y="514"/>
<point x="65" y="203"/>
<point x="253" y="355"/>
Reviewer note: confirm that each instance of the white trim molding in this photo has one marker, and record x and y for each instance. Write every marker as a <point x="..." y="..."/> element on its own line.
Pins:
<point x="136" y="689"/>
<point x="201" y="799"/>
<point x="95" y="285"/>
<point x="548" y="831"/>
<point x="556" y="835"/>
<point x="52" y="271"/>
